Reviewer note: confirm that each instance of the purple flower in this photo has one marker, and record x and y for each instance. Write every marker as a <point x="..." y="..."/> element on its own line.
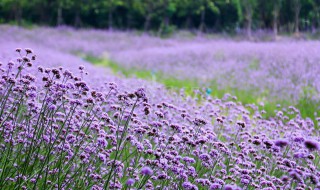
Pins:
<point x="96" y="187"/>
<point x="215" y="186"/>
<point x="188" y="160"/>
<point x="189" y="186"/>
<point x="311" y="145"/>
<point x="102" y="142"/>
<point x="28" y="50"/>
<point x="245" y="181"/>
<point x="52" y="107"/>
<point x="281" y="143"/>
<point x="295" y="175"/>
<point x="102" y="157"/>
<point x="298" y="139"/>
<point x="130" y="182"/>
<point x="299" y="155"/>
<point x="140" y="93"/>
<point x="204" y="157"/>
<point x="231" y="187"/>
<point x="146" y="171"/>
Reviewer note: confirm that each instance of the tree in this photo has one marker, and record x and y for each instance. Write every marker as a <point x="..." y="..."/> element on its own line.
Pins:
<point x="16" y="7"/>
<point x="296" y="5"/>
<point x="149" y="9"/>
<point x="166" y="15"/>
<point x="203" y="6"/>
<point x="110" y="6"/>
<point x="190" y="7"/>
<point x="75" y="6"/>
<point x="60" y="5"/>
<point x="128" y="4"/>
<point x="167" y="8"/>
<point x="246" y="9"/>
<point x="275" y="13"/>
<point x="315" y="14"/>
<point x="81" y="8"/>
<point x="185" y="9"/>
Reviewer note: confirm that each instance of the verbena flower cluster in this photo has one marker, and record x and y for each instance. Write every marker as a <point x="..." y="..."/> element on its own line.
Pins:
<point x="58" y="131"/>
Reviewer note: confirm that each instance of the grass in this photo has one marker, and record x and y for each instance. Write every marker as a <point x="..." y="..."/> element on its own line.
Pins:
<point x="307" y="107"/>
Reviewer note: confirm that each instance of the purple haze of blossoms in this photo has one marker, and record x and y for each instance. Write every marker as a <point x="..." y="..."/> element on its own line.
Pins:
<point x="62" y="129"/>
<point x="278" y="70"/>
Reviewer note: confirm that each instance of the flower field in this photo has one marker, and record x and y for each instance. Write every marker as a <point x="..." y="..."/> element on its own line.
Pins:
<point x="67" y="124"/>
<point x="273" y="70"/>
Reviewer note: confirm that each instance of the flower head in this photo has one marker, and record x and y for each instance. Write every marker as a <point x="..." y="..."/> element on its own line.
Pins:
<point x="214" y="186"/>
<point x="311" y="145"/>
<point x="130" y="182"/>
<point x="281" y="143"/>
<point x="28" y="50"/>
<point x="146" y="171"/>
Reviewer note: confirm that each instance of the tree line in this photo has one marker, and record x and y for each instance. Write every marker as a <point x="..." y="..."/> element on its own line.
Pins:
<point x="164" y="16"/>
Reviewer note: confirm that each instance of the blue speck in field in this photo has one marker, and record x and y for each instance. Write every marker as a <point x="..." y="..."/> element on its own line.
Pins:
<point x="153" y="75"/>
<point x="208" y="91"/>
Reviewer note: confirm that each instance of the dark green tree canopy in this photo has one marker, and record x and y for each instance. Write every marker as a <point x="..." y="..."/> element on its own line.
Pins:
<point x="286" y="16"/>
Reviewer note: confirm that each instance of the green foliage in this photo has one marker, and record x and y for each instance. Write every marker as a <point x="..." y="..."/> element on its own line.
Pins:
<point x="164" y="16"/>
<point x="237" y="4"/>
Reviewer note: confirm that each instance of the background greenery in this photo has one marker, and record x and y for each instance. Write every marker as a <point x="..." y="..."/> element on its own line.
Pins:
<point x="165" y="16"/>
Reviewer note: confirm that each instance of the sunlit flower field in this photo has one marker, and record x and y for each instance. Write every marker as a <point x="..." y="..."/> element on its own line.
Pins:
<point x="66" y="123"/>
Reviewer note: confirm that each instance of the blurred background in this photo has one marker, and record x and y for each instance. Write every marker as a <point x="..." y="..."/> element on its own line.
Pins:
<point x="163" y="17"/>
<point x="262" y="52"/>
